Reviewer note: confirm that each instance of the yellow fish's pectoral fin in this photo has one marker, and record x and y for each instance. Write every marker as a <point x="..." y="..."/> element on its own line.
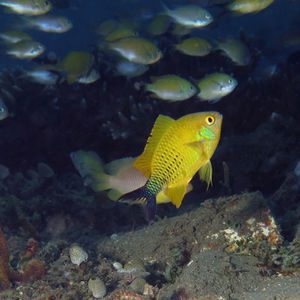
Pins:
<point x="143" y="162"/>
<point x="197" y="146"/>
<point x="176" y="194"/>
<point x="205" y="173"/>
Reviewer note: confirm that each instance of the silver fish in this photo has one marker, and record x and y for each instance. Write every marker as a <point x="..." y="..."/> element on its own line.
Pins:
<point x="26" y="49"/>
<point x="49" y="23"/>
<point x="42" y="76"/>
<point x="192" y="16"/>
<point x="3" y="110"/>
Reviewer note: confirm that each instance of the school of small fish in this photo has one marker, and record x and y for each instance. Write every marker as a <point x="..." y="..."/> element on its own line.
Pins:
<point x="134" y="48"/>
<point x="176" y="149"/>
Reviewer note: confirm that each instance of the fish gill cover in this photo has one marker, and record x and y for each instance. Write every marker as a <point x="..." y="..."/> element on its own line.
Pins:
<point x="84" y="84"/>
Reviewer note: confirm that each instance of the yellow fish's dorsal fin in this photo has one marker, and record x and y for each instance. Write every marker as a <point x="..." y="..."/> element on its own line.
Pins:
<point x="115" y="166"/>
<point x="143" y="162"/>
<point x="176" y="194"/>
<point x="205" y="173"/>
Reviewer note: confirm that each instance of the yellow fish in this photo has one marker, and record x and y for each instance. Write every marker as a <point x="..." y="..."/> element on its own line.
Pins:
<point x="120" y="33"/>
<point x="14" y="36"/>
<point x="76" y="64"/>
<point x="159" y="25"/>
<point x="194" y="46"/>
<point x="249" y="6"/>
<point x="180" y="30"/>
<point x="117" y="177"/>
<point x="170" y="87"/>
<point x="28" y="7"/>
<point x="175" y="151"/>
<point x="236" y="50"/>
<point x="107" y="27"/>
<point x="138" y="50"/>
<point x="26" y="49"/>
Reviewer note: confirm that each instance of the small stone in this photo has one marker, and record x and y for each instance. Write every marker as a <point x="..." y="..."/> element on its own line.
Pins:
<point x="138" y="285"/>
<point x="117" y="266"/>
<point x="134" y="265"/>
<point x="77" y="254"/>
<point x="97" y="287"/>
<point x="113" y="236"/>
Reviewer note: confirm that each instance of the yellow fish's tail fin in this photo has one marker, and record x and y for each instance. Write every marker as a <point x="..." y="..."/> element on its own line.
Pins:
<point x="143" y="195"/>
<point x="205" y="173"/>
<point x="90" y="168"/>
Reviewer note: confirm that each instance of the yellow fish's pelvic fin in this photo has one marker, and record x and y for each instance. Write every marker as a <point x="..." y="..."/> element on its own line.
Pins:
<point x="189" y="188"/>
<point x="176" y="194"/>
<point x="205" y="173"/>
<point x="143" y="162"/>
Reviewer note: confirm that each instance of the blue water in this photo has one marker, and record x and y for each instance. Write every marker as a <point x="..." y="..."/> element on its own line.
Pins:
<point x="267" y="25"/>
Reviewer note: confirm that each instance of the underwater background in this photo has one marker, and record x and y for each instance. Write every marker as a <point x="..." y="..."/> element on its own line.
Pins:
<point x="68" y="111"/>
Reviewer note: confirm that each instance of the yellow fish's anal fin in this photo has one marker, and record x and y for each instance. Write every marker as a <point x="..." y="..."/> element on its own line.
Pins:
<point x="161" y="197"/>
<point x="176" y="194"/>
<point x="143" y="162"/>
<point x="205" y="173"/>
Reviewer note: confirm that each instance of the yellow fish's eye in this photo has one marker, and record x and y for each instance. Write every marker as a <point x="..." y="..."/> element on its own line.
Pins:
<point x="210" y="120"/>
